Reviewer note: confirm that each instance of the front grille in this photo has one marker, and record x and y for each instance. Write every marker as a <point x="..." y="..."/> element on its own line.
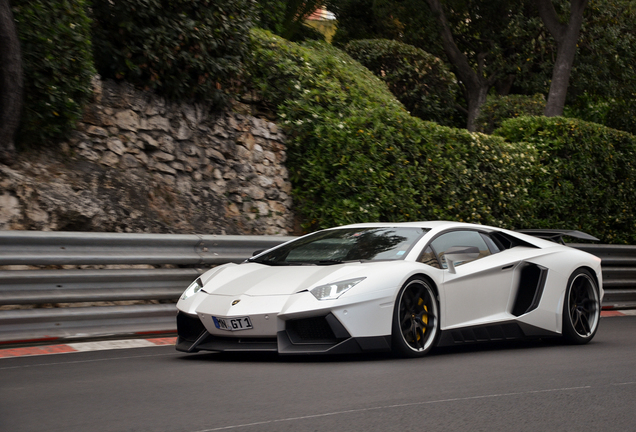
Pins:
<point x="316" y="330"/>
<point x="310" y="330"/>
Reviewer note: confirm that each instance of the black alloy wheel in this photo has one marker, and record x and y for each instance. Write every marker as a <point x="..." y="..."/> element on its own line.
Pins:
<point x="415" y="318"/>
<point x="581" y="308"/>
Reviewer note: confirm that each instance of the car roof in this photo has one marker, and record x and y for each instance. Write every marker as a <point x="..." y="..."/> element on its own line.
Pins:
<point x="418" y="224"/>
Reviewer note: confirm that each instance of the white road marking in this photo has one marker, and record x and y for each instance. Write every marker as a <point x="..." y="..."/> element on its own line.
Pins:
<point x="108" y="345"/>
<point x="360" y="410"/>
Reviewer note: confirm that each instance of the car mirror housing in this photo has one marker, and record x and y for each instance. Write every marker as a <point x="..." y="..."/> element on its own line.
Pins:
<point x="458" y="254"/>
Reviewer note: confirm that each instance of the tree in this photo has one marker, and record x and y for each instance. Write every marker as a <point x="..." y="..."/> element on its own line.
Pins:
<point x="566" y="36"/>
<point x="483" y="40"/>
<point x="475" y="82"/>
<point x="508" y="42"/>
<point x="10" y="82"/>
<point x="603" y="68"/>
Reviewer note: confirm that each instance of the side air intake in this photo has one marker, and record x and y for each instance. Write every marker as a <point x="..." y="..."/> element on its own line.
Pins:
<point x="531" y="284"/>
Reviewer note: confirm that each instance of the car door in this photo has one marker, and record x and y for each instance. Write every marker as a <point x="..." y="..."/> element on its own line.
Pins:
<point x="478" y="291"/>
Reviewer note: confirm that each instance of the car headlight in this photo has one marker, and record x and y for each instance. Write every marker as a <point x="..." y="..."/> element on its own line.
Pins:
<point x="192" y="289"/>
<point x="334" y="290"/>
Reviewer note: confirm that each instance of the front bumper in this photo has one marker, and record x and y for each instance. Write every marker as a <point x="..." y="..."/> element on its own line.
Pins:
<point x="314" y="335"/>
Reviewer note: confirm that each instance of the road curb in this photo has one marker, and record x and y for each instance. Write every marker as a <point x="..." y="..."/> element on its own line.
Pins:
<point x="615" y="313"/>
<point x="85" y="346"/>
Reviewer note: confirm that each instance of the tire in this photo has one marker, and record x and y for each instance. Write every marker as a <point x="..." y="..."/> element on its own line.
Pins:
<point x="415" y="319"/>
<point x="581" y="308"/>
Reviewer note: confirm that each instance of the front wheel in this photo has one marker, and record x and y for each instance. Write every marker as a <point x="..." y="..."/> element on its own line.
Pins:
<point x="415" y="319"/>
<point x="581" y="308"/>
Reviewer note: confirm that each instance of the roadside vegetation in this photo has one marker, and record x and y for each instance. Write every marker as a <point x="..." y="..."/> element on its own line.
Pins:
<point x="375" y="124"/>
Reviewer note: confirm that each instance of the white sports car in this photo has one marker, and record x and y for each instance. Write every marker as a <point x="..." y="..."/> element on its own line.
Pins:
<point x="405" y="287"/>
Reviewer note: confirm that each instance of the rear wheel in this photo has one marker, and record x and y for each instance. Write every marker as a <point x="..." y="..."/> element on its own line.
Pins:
<point x="415" y="319"/>
<point x="581" y="308"/>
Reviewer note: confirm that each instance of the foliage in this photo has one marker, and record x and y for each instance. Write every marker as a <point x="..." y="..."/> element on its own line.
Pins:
<point x="511" y="41"/>
<point x="585" y="177"/>
<point x="179" y="48"/>
<point x="355" y="154"/>
<point x="492" y="38"/>
<point x="590" y="108"/>
<point x="359" y="19"/>
<point x="497" y="36"/>
<point x="621" y="115"/>
<point x="499" y="108"/>
<point x="602" y="67"/>
<point x="58" y="67"/>
<point x="606" y="51"/>
<point x="270" y="15"/>
<point x="286" y="18"/>
<point x="419" y="80"/>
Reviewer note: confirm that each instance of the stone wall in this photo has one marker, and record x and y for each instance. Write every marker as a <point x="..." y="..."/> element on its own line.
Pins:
<point x="137" y="163"/>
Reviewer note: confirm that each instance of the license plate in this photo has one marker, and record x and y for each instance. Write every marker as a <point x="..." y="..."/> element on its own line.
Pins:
<point x="233" y="324"/>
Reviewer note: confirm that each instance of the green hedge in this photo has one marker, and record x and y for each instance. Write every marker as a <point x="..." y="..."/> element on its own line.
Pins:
<point x="499" y="108"/>
<point x="355" y="154"/>
<point x="180" y="48"/>
<point x="585" y="178"/>
<point x="57" y="66"/>
<point x="419" y="80"/>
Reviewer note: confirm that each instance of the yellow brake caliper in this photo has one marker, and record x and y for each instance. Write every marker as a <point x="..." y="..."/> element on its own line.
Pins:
<point x="420" y="302"/>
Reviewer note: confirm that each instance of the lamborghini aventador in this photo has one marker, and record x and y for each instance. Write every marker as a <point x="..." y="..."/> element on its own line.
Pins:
<point x="406" y="287"/>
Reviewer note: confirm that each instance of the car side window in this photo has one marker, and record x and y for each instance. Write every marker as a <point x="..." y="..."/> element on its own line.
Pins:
<point x="428" y="257"/>
<point x="459" y="238"/>
<point x="491" y="243"/>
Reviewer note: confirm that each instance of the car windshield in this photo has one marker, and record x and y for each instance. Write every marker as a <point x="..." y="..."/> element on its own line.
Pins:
<point x="343" y="245"/>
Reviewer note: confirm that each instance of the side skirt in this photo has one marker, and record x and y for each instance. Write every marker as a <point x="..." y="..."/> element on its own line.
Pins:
<point x="510" y="330"/>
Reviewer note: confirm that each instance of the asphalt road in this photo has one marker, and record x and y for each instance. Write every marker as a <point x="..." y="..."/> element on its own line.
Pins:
<point x="504" y="387"/>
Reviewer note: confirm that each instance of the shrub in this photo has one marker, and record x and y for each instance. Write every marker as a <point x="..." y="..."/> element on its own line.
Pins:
<point x="355" y="154"/>
<point x="585" y="178"/>
<point x="180" y="48"/>
<point x="57" y="66"/>
<point x="500" y="108"/>
<point x="622" y="115"/>
<point x="419" y="80"/>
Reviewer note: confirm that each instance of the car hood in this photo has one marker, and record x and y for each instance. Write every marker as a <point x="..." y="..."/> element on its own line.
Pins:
<point x="261" y="280"/>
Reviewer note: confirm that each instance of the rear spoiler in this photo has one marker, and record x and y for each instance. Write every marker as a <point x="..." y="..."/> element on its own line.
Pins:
<point x="556" y="235"/>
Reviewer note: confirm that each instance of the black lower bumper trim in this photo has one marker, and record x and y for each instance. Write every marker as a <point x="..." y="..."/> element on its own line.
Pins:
<point x="347" y="346"/>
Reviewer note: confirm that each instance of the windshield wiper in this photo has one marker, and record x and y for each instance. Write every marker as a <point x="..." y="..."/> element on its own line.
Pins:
<point x="302" y="263"/>
<point x="334" y="261"/>
<point x="271" y="263"/>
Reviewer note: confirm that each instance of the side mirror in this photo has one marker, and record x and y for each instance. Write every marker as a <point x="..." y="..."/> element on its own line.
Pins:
<point x="457" y="254"/>
<point x="258" y="252"/>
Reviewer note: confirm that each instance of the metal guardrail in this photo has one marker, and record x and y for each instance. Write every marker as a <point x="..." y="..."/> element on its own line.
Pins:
<point x="187" y="256"/>
<point x="72" y="248"/>
<point x="619" y="273"/>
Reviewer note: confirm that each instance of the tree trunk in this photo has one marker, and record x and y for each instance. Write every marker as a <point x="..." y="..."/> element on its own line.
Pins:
<point x="566" y="37"/>
<point x="10" y="82"/>
<point x="475" y="85"/>
<point x="476" y="98"/>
